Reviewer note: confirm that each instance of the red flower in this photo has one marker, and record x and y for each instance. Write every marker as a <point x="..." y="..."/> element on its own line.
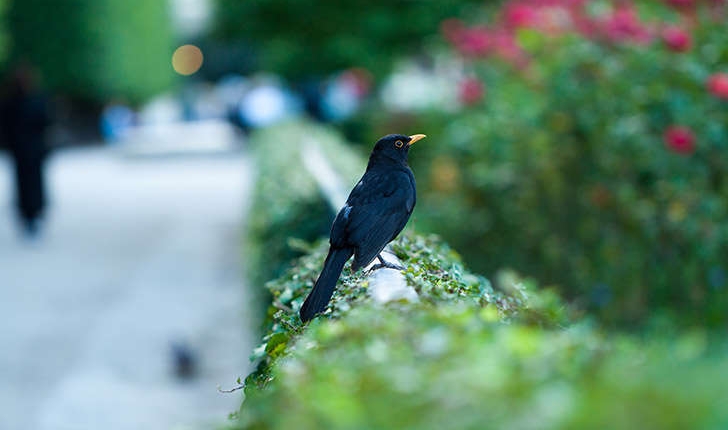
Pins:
<point x="471" y="91"/>
<point x="520" y="15"/>
<point x="677" y="39"/>
<point x="718" y="85"/>
<point x="469" y="41"/>
<point x="473" y="42"/>
<point x="679" y="139"/>
<point x="624" y="25"/>
<point x="586" y="25"/>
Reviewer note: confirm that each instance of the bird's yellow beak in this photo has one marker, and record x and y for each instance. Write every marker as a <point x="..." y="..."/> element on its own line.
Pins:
<point x="415" y="137"/>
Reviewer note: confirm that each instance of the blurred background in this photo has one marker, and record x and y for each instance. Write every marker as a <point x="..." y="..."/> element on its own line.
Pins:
<point x="156" y="171"/>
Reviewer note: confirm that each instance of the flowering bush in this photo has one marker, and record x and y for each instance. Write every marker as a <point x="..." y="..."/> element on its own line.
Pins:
<point x="598" y="159"/>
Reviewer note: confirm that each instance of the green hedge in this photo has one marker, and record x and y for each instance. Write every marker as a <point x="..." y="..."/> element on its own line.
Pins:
<point x="468" y="356"/>
<point x="433" y="270"/>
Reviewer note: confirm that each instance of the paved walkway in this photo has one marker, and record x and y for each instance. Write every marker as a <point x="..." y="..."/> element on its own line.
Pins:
<point x="137" y="254"/>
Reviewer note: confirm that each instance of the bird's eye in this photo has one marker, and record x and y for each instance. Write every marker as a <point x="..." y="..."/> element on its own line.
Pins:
<point x="398" y="144"/>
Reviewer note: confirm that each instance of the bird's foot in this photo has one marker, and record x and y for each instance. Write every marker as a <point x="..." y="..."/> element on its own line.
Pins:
<point x="383" y="264"/>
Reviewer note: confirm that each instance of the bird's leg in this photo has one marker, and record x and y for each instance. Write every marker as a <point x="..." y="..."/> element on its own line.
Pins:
<point x="385" y="264"/>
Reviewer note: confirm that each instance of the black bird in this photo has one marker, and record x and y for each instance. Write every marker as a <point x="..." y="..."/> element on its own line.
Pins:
<point x="376" y="211"/>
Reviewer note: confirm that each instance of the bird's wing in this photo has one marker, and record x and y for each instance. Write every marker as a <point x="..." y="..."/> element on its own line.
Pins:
<point x="377" y="210"/>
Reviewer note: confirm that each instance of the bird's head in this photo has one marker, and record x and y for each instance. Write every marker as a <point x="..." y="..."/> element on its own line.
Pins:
<point x="395" y="146"/>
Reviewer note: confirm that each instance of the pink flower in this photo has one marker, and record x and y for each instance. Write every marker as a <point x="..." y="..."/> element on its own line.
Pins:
<point x="679" y="139"/>
<point x="549" y="16"/>
<point x="624" y="25"/>
<point x="718" y="85"/>
<point x="520" y="15"/>
<point x="474" y="41"/>
<point x="558" y="19"/>
<point x="586" y="25"/>
<point x="470" y="42"/>
<point x="677" y="39"/>
<point x="471" y="91"/>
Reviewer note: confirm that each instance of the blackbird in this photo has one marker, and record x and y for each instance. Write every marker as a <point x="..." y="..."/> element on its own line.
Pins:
<point x="376" y="211"/>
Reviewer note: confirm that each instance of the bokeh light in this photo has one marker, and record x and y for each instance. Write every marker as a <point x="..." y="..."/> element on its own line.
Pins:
<point x="187" y="59"/>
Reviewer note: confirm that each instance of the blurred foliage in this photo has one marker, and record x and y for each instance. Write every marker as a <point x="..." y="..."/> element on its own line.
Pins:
<point x="594" y="159"/>
<point x="95" y="49"/>
<point x="468" y="356"/>
<point x="3" y="31"/>
<point x="288" y="207"/>
<point x="310" y="38"/>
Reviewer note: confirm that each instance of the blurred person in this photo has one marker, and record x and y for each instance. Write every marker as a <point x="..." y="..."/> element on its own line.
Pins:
<point x="24" y="117"/>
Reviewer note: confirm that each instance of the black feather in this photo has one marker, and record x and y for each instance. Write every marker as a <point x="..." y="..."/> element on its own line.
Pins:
<point x="376" y="211"/>
<point x="319" y="297"/>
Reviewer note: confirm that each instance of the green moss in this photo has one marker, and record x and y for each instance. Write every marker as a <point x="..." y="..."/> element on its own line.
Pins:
<point x="432" y="269"/>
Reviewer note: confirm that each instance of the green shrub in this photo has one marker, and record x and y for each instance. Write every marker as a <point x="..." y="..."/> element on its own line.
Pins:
<point x="594" y="163"/>
<point x="432" y="269"/>
<point x="453" y="369"/>
<point x="466" y="356"/>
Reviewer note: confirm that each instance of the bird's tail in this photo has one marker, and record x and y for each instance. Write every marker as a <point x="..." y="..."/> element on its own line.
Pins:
<point x="322" y="291"/>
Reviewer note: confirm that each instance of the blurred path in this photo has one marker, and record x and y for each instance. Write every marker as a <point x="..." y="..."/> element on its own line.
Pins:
<point x="137" y="253"/>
